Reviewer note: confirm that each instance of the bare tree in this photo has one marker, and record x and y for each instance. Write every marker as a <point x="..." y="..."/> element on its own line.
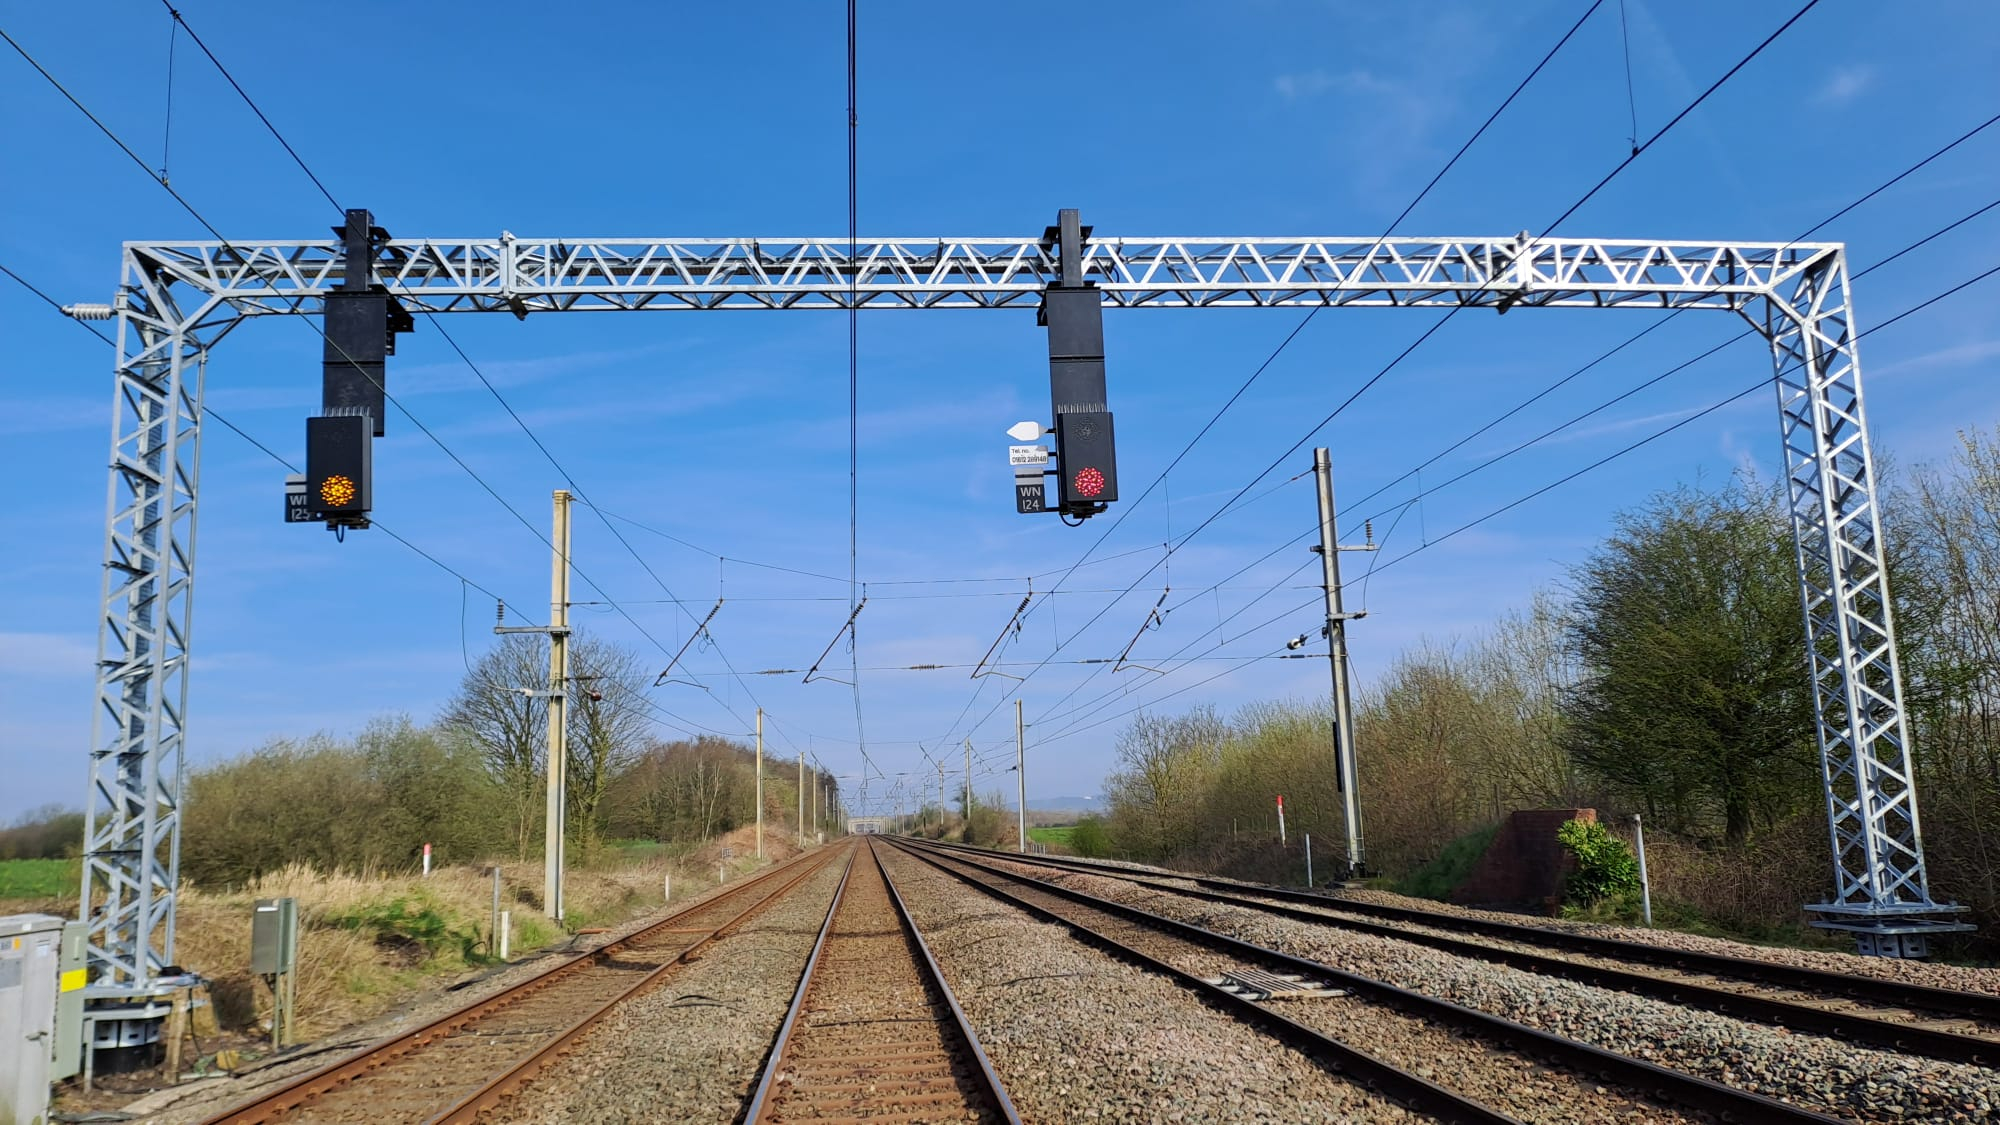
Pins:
<point x="685" y="790"/>
<point x="1948" y="617"/>
<point x="1520" y="673"/>
<point x="509" y="727"/>
<point x="608" y="727"/>
<point x="1165" y="765"/>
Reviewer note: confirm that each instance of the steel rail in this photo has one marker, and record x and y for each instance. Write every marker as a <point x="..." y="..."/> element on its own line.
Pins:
<point x="798" y="1004"/>
<point x="1872" y="990"/>
<point x="936" y="974"/>
<point x="276" y="1104"/>
<point x="1384" y="1078"/>
<point x="1796" y="1015"/>
<point x="494" y="1092"/>
<point x="1650" y="1079"/>
<point x="763" y="1102"/>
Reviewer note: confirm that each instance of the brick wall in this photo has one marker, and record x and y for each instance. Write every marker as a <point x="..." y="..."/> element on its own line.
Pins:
<point x="1524" y="865"/>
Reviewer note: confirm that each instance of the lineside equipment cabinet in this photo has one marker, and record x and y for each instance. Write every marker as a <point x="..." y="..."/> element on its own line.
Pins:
<point x="29" y="951"/>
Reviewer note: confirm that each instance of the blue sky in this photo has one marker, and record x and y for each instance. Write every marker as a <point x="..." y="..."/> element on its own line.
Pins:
<point x="730" y="431"/>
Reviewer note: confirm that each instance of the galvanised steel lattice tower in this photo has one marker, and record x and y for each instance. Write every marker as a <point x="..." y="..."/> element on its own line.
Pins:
<point x="179" y="299"/>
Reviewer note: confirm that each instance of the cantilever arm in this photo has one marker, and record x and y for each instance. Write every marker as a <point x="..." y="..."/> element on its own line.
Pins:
<point x="699" y="631"/>
<point x="849" y="624"/>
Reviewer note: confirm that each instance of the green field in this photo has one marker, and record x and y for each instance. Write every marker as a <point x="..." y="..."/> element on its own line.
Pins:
<point x="1052" y="835"/>
<point x="38" y="878"/>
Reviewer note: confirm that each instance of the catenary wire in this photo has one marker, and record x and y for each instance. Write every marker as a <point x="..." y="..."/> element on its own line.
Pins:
<point x="300" y="161"/>
<point x="211" y="412"/>
<point x="1630" y="447"/>
<point x="228" y="245"/>
<point x="1912" y="169"/>
<point x="1490" y="462"/>
<point x="854" y="382"/>
<point x="1300" y="327"/>
<point x="247" y="100"/>
<point x="1599" y="408"/>
<point x="1435" y="179"/>
<point x="1636" y="337"/>
<point x="1571" y="210"/>
<point x="1702" y="413"/>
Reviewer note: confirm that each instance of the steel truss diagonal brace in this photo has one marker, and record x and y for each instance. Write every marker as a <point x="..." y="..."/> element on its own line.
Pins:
<point x="1882" y="891"/>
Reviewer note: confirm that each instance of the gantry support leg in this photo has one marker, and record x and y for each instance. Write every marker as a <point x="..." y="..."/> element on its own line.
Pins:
<point x="131" y="862"/>
<point x="1882" y="893"/>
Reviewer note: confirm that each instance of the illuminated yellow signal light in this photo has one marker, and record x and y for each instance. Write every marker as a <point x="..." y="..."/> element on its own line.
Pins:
<point x="337" y="491"/>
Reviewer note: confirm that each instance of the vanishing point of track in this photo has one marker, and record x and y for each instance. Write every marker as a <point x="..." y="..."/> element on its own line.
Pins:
<point x="874" y="1032"/>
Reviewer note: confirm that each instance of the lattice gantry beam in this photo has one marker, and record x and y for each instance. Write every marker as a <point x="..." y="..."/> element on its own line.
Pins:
<point x="523" y="275"/>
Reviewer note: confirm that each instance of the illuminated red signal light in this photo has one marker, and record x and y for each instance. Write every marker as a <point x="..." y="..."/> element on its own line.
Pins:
<point x="1089" y="482"/>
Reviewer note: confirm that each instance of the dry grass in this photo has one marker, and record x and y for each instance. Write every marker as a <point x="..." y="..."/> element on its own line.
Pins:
<point x="369" y="942"/>
<point x="1754" y="892"/>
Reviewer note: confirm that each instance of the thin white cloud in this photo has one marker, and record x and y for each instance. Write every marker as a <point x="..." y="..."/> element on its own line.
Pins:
<point x="663" y="403"/>
<point x="1304" y="85"/>
<point x="47" y="656"/>
<point x="1958" y="355"/>
<point x="451" y="375"/>
<point x="1845" y="84"/>
<point x="64" y="412"/>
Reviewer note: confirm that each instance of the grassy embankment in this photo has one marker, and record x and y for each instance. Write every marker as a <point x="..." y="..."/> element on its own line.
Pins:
<point x="371" y="941"/>
<point x="28" y="882"/>
<point x="1056" y="835"/>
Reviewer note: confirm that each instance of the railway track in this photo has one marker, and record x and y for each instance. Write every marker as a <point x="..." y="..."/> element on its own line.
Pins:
<point x="463" y="1063"/>
<point x="1165" y="944"/>
<point x="874" y="1033"/>
<point x="1396" y="1083"/>
<point x="1952" y="1026"/>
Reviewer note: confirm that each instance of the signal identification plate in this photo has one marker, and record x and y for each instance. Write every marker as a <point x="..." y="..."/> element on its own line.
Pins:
<point x="1029" y="497"/>
<point x="296" y="510"/>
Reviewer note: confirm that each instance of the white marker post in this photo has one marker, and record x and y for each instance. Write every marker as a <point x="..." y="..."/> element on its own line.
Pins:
<point x="1645" y="884"/>
<point x="1309" y="860"/>
<point x="427" y="861"/>
<point x="1281" y="818"/>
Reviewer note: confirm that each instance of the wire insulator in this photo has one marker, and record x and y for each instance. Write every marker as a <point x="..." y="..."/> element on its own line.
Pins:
<point x="87" y="312"/>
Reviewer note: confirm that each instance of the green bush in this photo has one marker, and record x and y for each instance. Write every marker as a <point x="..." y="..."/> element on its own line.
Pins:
<point x="1441" y="876"/>
<point x="49" y="832"/>
<point x="369" y="804"/>
<point x="1089" y="838"/>
<point x="1605" y="867"/>
<point x="411" y="921"/>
